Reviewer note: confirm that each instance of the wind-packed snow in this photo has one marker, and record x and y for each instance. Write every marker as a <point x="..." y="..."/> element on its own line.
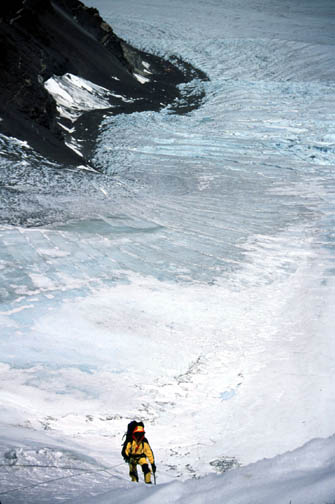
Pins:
<point x="48" y="470"/>
<point x="285" y="478"/>
<point x="190" y="286"/>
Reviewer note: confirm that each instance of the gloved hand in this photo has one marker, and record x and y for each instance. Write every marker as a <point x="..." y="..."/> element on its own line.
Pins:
<point x="126" y="459"/>
<point x="153" y="467"/>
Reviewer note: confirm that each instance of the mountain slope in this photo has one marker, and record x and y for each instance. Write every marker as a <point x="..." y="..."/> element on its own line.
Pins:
<point x="42" y="38"/>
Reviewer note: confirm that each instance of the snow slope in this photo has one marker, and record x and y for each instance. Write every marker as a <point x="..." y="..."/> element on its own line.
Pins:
<point x="48" y="472"/>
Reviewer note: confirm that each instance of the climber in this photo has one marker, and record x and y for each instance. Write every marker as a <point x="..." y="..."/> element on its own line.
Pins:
<point x="138" y="451"/>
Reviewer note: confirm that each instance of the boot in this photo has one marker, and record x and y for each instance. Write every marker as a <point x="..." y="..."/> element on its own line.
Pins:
<point x="147" y="478"/>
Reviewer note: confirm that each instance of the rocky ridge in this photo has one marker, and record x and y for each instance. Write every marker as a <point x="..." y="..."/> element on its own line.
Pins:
<point x="45" y="38"/>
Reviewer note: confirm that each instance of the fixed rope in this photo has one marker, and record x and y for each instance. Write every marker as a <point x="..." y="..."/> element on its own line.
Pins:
<point x="83" y="471"/>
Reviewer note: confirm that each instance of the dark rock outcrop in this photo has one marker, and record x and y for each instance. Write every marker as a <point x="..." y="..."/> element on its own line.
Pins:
<point x="42" y="38"/>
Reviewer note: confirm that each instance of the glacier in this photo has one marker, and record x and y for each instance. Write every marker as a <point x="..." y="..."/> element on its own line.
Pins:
<point x="191" y="284"/>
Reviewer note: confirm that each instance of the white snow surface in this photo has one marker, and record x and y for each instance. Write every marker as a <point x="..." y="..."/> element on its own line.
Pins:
<point x="35" y="468"/>
<point x="141" y="78"/>
<point x="192" y="286"/>
<point x="75" y="95"/>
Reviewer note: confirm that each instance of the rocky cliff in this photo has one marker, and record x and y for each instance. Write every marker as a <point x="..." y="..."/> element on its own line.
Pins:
<point x="44" y="38"/>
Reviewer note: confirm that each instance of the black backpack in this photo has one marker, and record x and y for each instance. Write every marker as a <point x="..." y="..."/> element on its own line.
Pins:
<point x="129" y="436"/>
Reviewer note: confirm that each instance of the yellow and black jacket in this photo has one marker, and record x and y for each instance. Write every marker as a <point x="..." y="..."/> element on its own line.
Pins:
<point x="139" y="452"/>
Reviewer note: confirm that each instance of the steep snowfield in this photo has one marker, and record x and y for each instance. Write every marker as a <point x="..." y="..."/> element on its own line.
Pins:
<point x="284" y="479"/>
<point x="43" y="471"/>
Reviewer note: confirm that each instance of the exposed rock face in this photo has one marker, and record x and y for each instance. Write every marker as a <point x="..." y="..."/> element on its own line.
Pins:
<point x="41" y="38"/>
